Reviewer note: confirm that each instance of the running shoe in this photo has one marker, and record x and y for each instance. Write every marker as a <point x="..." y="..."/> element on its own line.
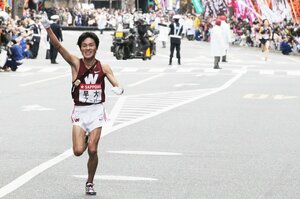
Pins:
<point x="89" y="189"/>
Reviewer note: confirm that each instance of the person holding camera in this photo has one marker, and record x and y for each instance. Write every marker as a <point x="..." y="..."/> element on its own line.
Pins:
<point x="15" y="56"/>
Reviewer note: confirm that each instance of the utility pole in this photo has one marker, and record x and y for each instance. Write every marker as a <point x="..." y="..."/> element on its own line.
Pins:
<point x="110" y="4"/>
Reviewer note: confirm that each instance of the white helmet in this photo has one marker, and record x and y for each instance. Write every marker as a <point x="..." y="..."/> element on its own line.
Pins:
<point x="176" y="17"/>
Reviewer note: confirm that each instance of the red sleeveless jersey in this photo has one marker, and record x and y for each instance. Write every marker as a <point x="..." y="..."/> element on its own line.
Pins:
<point x="92" y="86"/>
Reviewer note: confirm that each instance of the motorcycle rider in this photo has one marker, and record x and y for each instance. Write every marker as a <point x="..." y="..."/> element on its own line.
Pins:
<point x="142" y="29"/>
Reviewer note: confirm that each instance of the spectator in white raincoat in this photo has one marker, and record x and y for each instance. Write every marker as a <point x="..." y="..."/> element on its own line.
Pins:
<point x="226" y="35"/>
<point x="217" y="45"/>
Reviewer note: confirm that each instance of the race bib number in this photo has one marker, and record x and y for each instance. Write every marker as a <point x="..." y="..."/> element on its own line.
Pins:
<point x="90" y="93"/>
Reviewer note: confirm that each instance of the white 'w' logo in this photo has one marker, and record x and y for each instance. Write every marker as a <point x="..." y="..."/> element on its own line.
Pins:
<point x="91" y="79"/>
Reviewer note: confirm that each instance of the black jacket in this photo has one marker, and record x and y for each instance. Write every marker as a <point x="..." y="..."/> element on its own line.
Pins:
<point x="57" y="31"/>
<point x="172" y="32"/>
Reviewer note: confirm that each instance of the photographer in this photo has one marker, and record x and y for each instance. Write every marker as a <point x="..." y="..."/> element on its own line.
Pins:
<point x="15" y="56"/>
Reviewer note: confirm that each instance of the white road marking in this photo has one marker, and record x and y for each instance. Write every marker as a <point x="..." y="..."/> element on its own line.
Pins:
<point x="49" y="69"/>
<point x="36" y="107"/>
<point x="21" y="180"/>
<point x="22" y="69"/>
<point x="26" y="177"/>
<point x="185" y="84"/>
<point x="145" y="80"/>
<point x="267" y="72"/>
<point x="211" y="70"/>
<point x="207" y="92"/>
<point x="129" y="70"/>
<point x="256" y="96"/>
<point x="184" y="70"/>
<point x="44" y="80"/>
<point x="113" y="115"/>
<point x="117" y="178"/>
<point x="18" y="182"/>
<point x="146" y="153"/>
<point x="265" y="96"/>
<point x="284" y="97"/>
<point x="156" y="70"/>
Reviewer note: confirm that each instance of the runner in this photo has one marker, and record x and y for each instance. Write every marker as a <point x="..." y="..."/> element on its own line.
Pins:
<point x="265" y="33"/>
<point x="88" y="94"/>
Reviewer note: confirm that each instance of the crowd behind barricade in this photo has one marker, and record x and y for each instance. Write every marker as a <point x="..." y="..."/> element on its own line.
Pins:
<point x="20" y="37"/>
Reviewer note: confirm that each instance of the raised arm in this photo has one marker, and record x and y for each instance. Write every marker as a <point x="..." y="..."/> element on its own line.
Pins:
<point x="71" y="59"/>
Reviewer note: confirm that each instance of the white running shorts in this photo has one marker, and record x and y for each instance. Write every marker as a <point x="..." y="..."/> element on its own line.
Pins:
<point x="88" y="117"/>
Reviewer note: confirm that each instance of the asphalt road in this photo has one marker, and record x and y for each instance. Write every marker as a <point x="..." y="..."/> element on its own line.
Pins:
<point x="178" y="132"/>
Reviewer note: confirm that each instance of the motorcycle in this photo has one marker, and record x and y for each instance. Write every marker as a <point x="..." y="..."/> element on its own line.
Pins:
<point x="127" y="45"/>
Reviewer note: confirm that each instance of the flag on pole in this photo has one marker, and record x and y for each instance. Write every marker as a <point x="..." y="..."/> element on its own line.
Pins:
<point x="267" y="13"/>
<point x="198" y="6"/>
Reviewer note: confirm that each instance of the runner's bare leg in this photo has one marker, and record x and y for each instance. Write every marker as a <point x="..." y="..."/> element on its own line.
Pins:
<point x="79" y="144"/>
<point x="92" y="164"/>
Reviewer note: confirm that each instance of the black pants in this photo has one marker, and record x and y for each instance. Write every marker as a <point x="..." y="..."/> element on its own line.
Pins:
<point x="35" y="46"/>
<point x="172" y="48"/>
<point x="53" y="53"/>
<point x="145" y="44"/>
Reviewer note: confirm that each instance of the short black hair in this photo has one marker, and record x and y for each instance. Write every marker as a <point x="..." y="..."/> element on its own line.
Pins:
<point x="85" y="35"/>
<point x="265" y="20"/>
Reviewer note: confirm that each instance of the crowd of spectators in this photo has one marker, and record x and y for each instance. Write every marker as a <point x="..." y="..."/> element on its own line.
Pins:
<point x="286" y="34"/>
<point x="19" y="39"/>
<point x="20" y="31"/>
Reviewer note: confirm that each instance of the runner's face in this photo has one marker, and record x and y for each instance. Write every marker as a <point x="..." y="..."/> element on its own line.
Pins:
<point x="266" y="22"/>
<point x="88" y="48"/>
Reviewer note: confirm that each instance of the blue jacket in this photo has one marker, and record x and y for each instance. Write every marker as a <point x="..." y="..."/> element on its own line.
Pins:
<point x="285" y="48"/>
<point x="16" y="52"/>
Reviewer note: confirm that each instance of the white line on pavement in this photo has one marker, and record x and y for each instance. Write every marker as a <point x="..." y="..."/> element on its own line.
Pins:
<point x="117" y="178"/>
<point x="208" y="93"/>
<point x="156" y="70"/>
<point x="267" y="72"/>
<point x="129" y="70"/>
<point x="25" y="69"/>
<point x="18" y="182"/>
<point x="146" y="153"/>
<point x="43" y="80"/>
<point x="21" y="180"/>
<point x="113" y="115"/>
<point x="145" y="80"/>
<point x="49" y="70"/>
